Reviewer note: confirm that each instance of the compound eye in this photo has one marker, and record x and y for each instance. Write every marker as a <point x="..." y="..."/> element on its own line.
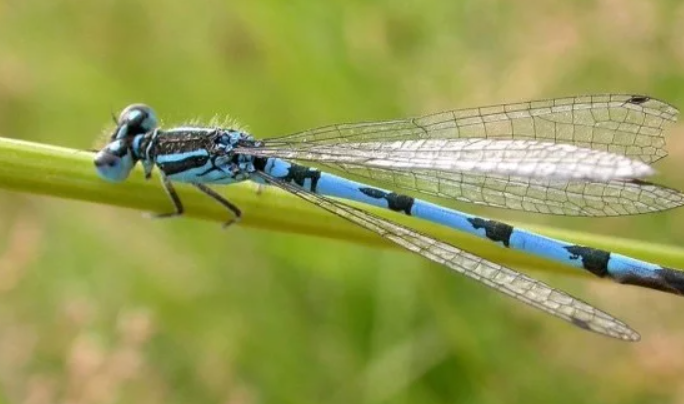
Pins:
<point x="135" y="119"/>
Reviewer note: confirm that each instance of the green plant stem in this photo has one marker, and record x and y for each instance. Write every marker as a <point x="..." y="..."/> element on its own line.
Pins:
<point x="68" y="173"/>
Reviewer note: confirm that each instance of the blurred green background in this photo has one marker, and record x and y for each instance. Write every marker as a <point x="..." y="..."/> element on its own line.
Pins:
<point x="100" y="306"/>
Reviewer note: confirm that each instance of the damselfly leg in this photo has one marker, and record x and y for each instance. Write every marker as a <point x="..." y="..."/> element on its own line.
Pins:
<point x="223" y="201"/>
<point x="178" y="205"/>
<point x="175" y="199"/>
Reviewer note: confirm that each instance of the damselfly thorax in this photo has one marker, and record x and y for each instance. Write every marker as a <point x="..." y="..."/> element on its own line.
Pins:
<point x="189" y="154"/>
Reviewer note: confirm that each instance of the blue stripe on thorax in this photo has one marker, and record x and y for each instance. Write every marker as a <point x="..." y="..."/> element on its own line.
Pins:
<point x="601" y="263"/>
<point x="176" y="157"/>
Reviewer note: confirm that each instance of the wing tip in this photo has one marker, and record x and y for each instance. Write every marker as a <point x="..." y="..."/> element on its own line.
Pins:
<point x="618" y="329"/>
<point x="630" y="335"/>
<point x="666" y="110"/>
<point x="627" y="334"/>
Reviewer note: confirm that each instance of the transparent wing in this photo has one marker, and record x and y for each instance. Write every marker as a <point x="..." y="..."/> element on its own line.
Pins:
<point x="574" y="198"/>
<point x="524" y="158"/>
<point x="629" y="125"/>
<point x="505" y="280"/>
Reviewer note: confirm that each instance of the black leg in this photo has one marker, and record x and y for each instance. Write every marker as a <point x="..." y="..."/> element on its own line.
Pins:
<point x="223" y="201"/>
<point x="177" y="204"/>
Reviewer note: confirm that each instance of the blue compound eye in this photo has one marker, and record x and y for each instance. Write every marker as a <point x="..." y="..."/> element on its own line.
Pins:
<point x="114" y="163"/>
<point x="135" y="119"/>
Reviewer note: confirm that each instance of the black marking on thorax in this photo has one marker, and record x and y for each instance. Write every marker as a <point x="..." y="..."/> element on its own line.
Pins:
<point x="593" y="260"/>
<point x="168" y="144"/>
<point x="495" y="231"/>
<point x="188" y="163"/>
<point x="395" y="202"/>
<point x="183" y="142"/>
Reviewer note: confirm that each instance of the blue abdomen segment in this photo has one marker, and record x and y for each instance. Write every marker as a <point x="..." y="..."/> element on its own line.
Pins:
<point x="601" y="263"/>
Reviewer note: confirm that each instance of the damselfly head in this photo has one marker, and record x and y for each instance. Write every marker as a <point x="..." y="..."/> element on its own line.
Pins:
<point x="115" y="161"/>
<point x="135" y="119"/>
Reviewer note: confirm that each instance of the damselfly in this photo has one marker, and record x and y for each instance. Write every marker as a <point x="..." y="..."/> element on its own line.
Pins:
<point x="578" y="156"/>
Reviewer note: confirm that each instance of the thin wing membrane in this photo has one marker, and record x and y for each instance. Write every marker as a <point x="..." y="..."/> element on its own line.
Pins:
<point x="523" y="158"/>
<point x="505" y="280"/>
<point x="629" y="125"/>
